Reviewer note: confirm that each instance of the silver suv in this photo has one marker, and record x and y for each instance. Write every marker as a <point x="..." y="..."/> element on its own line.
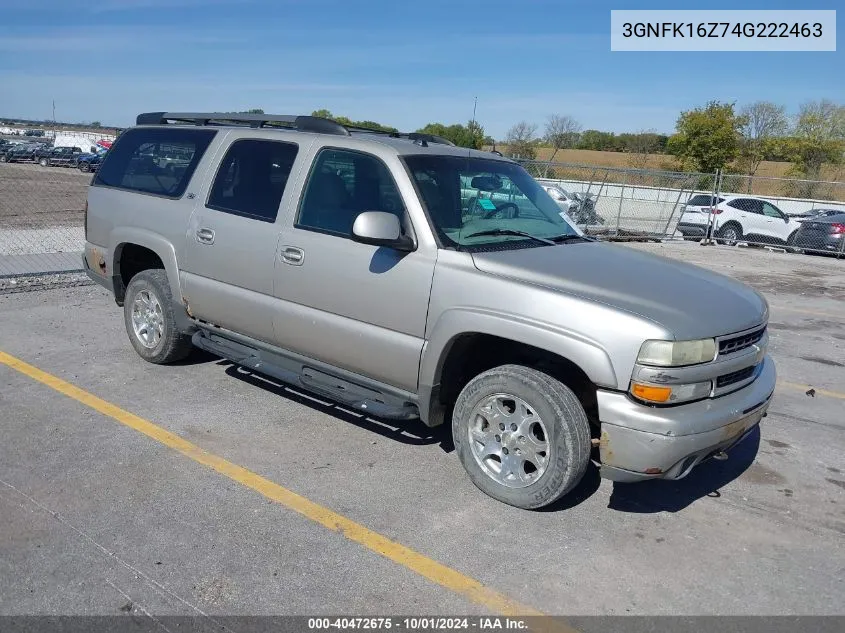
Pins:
<point x="408" y="278"/>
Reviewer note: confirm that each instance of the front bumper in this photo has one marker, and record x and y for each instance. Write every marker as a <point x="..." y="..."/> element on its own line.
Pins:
<point x="639" y="442"/>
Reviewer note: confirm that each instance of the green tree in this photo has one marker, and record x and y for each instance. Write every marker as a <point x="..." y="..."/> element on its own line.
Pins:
<point x="96" y="124"/>
<point x="597" y="140"/>
<point x="763" y="122"/>
<point x="470" y="135"/>
<point x="818" y="138"/>
<point x="707" y="138"/>
<point x="370" y="125"/>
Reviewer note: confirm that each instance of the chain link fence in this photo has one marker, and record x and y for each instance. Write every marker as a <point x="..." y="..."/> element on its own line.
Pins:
<point x="42" y="210"/>
<point x="41" y="219"/>
<point x="646" y="204"/>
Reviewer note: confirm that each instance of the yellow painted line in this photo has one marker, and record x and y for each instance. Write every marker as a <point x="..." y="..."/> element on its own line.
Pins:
<point x="426" y="567"/>
<point x="819" y="392"/>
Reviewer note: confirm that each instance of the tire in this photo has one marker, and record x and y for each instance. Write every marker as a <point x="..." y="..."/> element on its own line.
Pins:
<point x="3" y="158"/>
<point x="556" y="421"/>
<point x="790" y="243"/>
<point x="44" y="162"/>
<point x="84" y="167"/>
<point x="149" y="293"/>
<point x="729" y="234"/>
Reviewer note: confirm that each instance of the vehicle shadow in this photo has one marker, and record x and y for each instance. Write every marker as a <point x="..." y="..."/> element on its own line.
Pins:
<point x="585" y="489"/>
<point x="673" y="496"/>
<point x="412" y="432"/>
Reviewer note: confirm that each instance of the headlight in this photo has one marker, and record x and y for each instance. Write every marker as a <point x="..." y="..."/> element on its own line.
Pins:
<point x="677" y="353"/>
<point x="671" y="395"/>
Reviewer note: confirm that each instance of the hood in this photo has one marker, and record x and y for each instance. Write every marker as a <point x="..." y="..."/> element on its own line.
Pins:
<point x="689" y="301"/>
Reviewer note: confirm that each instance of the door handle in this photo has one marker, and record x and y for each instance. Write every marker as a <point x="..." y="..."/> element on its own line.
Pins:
<point x="205" y="236"/>
<point x="293" y="255"/>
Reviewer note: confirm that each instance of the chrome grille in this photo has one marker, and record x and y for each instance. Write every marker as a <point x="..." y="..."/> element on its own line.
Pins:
<point x="737" y="343"/>
<point x="735" y="376"/>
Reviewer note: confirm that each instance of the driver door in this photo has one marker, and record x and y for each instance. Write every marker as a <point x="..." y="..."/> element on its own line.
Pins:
<point x="355" y="306"/>
<point x="776" y="224"/>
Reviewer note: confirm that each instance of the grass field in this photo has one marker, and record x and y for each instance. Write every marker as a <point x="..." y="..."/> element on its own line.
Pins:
<point x="619" y="160"/>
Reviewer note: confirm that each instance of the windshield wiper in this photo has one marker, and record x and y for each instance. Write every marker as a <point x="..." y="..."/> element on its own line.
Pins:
<point x="569" y="237"/>
<point x="511" y="232"/>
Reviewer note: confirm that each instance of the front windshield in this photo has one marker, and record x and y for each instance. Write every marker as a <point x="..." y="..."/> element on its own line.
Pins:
<point x="468" y="195"/>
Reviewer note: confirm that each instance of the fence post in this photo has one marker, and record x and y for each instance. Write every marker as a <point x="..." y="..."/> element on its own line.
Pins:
<point x="711" y="221"/>
<point x="621" y="199"/>
<point x="672" y="214"/>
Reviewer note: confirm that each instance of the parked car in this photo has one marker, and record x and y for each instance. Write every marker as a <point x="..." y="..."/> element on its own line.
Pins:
<point x="737" y="219"/>
<point x="824" y="233"/>
<point x="580" y="206"/>
<point x="89" y="161"/>
<point x="23" y="152"/>
<point x="815" y="213"/>
<point x="343" y="262"/>
<point x="59" y="156"/>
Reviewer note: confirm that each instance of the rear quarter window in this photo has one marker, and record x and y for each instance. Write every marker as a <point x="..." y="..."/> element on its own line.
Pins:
<point x="157" y="161"/>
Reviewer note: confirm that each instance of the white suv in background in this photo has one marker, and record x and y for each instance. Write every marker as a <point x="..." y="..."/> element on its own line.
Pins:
<point x="738" y="219"/>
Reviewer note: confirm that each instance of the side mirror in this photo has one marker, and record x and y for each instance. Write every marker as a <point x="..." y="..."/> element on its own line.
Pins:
<point x="381" y="229"/>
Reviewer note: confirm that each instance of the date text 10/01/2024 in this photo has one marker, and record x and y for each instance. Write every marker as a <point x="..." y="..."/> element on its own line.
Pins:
<point x="418" y="623"/>
<point x="721" y="29"/>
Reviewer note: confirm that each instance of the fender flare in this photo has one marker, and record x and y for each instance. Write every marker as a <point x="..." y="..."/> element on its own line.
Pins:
<point x="166" y="253"/>
<point x="591" y="358"/>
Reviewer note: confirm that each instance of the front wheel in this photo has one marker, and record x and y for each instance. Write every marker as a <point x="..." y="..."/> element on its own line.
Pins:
<point x="149" y="319"/>
<point x="522" y="436"/>
<point x="44" y="162"/>
<point x="84" y="167"/>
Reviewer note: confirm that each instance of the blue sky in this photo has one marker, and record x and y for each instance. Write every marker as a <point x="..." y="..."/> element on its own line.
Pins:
<point x="398" y="62"/>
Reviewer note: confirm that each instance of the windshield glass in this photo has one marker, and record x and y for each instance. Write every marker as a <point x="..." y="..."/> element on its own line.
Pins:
<point x="467" y="195"/>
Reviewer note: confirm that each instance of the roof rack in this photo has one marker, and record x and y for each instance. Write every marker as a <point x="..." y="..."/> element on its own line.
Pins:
<point x="411" y="136"/>
<point x="293" y="122"/>
<point x="302" y="123"/>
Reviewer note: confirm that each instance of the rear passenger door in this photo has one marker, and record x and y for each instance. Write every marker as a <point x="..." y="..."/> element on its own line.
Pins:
<point x="232" y="236"/>
<point x="750" y="215"/>
<point x="355" y="306"/>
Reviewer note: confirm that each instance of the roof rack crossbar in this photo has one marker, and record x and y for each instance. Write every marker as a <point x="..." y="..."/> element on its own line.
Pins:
<point x="296" y="122"/>
<point x="411" y="136"/>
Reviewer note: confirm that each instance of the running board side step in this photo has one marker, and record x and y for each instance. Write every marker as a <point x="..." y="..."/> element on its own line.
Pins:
<point x="297" y="371"/>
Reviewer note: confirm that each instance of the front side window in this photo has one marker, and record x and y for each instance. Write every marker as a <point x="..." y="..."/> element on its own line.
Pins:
<point x="252" y="178"/>
<point x="496" y="199"/>
<point x="158" y="161"/>
<point x="342" y="185"/>
<point x="772" y="211"/>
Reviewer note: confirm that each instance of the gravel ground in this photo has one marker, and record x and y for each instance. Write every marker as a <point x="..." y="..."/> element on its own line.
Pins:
<point x="95" y="516"/>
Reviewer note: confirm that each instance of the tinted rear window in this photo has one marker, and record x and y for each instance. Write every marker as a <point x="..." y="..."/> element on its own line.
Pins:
<point x="159" y="161"/>
<point x="702" y="200"/>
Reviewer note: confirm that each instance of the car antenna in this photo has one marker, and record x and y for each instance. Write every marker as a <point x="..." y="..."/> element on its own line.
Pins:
<point x="472" y="126"/>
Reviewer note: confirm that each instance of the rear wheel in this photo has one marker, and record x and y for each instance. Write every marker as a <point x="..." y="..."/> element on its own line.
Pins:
<point x="149" y="319"/>
<point x="729" y="234"/>
<point x="44" y="162"/>
<point x="522" y="436"/>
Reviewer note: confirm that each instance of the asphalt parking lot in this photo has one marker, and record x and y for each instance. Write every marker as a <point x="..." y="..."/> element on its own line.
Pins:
<point x="100" y="514"/>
